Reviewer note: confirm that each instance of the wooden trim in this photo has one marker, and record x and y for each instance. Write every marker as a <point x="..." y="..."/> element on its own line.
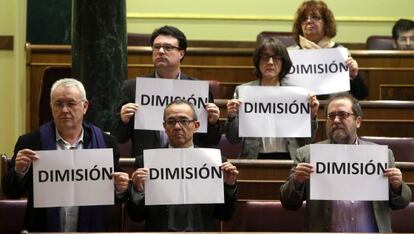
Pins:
<point x="6" y="43"/>
<point x="226" y="50"/>
<point x="188" y="16"/>
<point x="384" y="53"/>
<point x="364" y="104"/>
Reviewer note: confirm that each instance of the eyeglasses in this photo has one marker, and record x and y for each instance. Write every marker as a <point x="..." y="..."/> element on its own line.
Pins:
<point x="183" y="122"/>
<point x="166" y="47"/>
<point x="341" y="115"/>
<point x="69" y="105"/>
<point x="266" y="57"/>
<point x="311" y="18"/>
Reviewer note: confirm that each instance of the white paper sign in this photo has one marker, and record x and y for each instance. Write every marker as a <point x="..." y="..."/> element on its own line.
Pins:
<point x="341" y="172"/>
<point x="183" y="176"/>
<point x="66" y="178"/>
<point x="274" y="112"/>
<point x="153" y="95"/>
<point x="321" y="71"/>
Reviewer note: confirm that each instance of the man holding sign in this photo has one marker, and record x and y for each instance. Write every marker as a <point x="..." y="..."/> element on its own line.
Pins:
<point x="344" y="116"/>
<point x="66" y="131"/>
<point x="180" y="123"/>
<point x="169" y="46"/>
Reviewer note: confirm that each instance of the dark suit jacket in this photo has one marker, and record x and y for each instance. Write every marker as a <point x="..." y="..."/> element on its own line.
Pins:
<point x="205" y="215"/>
<point x="90" y="218"/>
<point x="149" y="139"/>
<point x="317" y="211"/>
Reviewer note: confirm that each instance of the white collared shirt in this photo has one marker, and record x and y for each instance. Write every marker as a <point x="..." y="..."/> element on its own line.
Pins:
<point x="69" y="215"/>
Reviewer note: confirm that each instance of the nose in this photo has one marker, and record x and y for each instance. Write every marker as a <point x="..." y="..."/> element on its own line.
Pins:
<point x="65" y="108"/>
<point x="162" y="49"/>
<point x="270" y="61"/>
<point x="337" y="119"/>
<point x="177" y="125"/>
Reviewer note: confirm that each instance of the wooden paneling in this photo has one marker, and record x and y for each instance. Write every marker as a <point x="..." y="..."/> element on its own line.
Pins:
<point x="381" y="118"/>
<point x="6" y="42"/>
<point x="389" y="74"/>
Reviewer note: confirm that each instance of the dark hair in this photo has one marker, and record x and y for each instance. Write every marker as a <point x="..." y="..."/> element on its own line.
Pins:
<point x="279" y="49"/>
<point x="182" y="102"/>
<point x="170" y="31"/>
<point x="311" y="7"/>
<point x="402" y="25"/>
<point x="356" y="108"/>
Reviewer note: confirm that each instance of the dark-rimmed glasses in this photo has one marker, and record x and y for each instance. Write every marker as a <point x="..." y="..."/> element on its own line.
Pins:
<point x="341" y="115"/>
<point x="166" y="47"/>
<point x="182" y="122"/>
<point x="266" y="57"/>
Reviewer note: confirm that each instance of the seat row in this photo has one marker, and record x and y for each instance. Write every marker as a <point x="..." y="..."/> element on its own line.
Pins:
<point x="374" y="42"/>
<point x="251" y="216"/>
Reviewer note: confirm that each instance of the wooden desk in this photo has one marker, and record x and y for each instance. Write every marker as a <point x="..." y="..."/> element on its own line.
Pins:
<point x="261" y="179"/>
<point x="389" y="74"/>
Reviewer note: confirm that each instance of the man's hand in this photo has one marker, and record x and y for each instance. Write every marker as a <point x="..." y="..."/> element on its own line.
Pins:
<point x="127" y="111"/>
<point x="213" y="113"/>
<point x="230" y="173"/>
<point x="24" y="159"/>
<point x="121" y="180"/>
<point x="232" y="108"/>
<point x="394" y="177"/>
<point x="302" y="172"/>
<point x="138" y="178"/>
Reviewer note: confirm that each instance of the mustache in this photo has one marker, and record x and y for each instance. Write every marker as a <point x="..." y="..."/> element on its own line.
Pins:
<point x="337" y="127"/>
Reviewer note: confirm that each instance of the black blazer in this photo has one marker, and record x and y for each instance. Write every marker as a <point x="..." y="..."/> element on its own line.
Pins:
<point x="156" y="217"/>
<point x="149" y="139"/>
<point x="90" y="218"/>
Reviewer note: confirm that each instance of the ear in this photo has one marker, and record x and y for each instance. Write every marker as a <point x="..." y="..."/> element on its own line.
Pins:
<point x="85" y="106"/>
<point x="358" y="121"/>
<point x="196" y="126"/>
<point x="182" y="53"/>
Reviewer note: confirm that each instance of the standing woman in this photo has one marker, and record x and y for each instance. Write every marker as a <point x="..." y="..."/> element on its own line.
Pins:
<point x="272" y="62"/>
<point x="313" y="28"/>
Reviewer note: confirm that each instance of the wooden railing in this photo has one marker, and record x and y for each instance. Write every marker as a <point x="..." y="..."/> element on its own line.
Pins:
<point x="389" y="74"/>
<point x="381" y="118"/>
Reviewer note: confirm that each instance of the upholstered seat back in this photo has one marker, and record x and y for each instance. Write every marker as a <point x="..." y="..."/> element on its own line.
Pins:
<point x="270" y="216"/>
<point x="12" y="216"/>
<point x="50" y="76"/>
<point x="285" y="37"/>
<point x="402" y="147"/>
<point x="402" y="220"/>
<point x="380" y="43"/>
<point x="228" y="149"/>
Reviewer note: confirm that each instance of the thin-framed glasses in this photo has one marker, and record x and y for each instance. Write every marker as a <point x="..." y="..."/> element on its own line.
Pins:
<point x="341" y="115"/>
<point x="312" y="17"/>
<point x="69" y="105"/>
<point x="166" y="47"/>
<point x="182" y="122"/>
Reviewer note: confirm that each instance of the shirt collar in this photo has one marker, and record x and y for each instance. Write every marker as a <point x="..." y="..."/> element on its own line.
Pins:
<point x="170" y="146"/>
<point x="178" y="76"/>
<point x="59" y="138"/>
